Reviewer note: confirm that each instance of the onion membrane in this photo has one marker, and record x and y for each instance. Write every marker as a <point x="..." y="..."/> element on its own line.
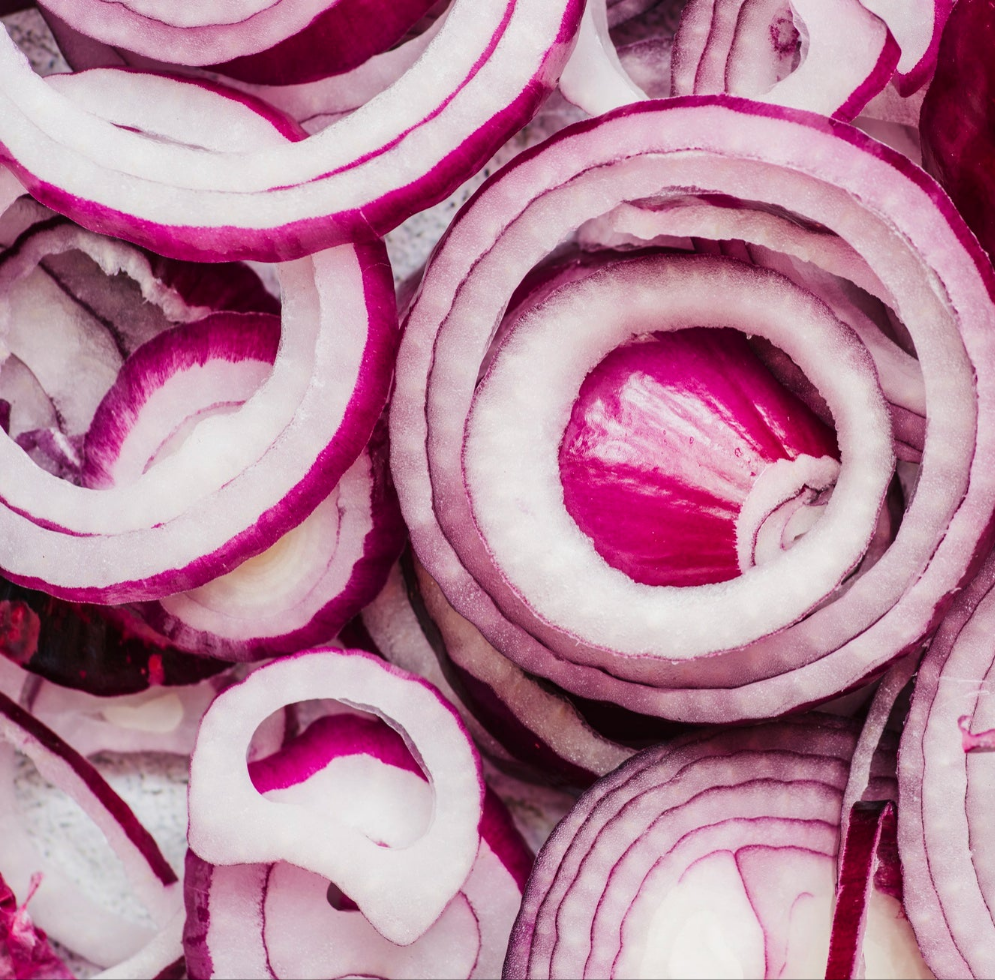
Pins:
<point x="858" y="210"/>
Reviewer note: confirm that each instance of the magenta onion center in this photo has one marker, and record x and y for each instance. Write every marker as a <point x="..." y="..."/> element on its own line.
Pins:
<point x="665" y="442"/>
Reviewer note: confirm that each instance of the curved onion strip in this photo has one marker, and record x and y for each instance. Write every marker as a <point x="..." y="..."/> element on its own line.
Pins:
<point x="312" y="104"/>
<point x="423" y="876"/>
<point x="480" y="79"/>
<point x="917" y="26"/>
<point x="886" y="209"/>
<point x="850" y="57"/>
<point x="59" y="909"/>
<point x="945" y="778"/>
<point x="540" y="726"/>
<point x="243" y="479"/>
<point x="204" y="33"/>
<point x="302" y="589"/>
<point x="344" y="36"/>
<point x="594" y="78"/>
<point x="867" y="750"/>
<point x="155" y="958"/>
<point x="357" y="768"/>
<point x="399" y="638"/>
<point x="511" y="441"/>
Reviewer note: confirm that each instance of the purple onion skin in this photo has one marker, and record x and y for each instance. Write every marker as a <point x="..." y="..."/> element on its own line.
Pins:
<point x="646" y="408"/>
<point x="339" y="39"/>
<point x="79" y="646"/>
<point x="957" y="125"/>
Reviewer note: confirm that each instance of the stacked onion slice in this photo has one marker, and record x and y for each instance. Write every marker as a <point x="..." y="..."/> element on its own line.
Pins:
<point x="392" y="818"/>
<point x="798" y="625"/>
<point x="237" y="484"/>
<point x="522" y="724"/>
<point x="318" y="575"/>
<point x="133" y="163"/>
<point x="714" y="855"/>
<point x="267" y="42"/>
<point x="945" y="776"/>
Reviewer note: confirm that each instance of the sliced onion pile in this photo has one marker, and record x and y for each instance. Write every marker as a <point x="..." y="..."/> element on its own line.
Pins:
<point x="690" y="412"/>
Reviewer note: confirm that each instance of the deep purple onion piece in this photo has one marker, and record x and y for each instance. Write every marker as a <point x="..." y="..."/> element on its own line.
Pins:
<point x="645" y="517"/>
<point x="957" y="124"/>
<point x="96" y="649"/>
<point x="340" y="38"/>
<point x="868" y="850"/>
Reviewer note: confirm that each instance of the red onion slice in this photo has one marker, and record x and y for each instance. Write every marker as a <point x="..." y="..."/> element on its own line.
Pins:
<point x="425" y="874"/>
<point x="848" y="55"/>
<point x="303" y="588"/>
<point x="480" y="79"/>
<point x="709" y="856"/>
<point x="944" y="787"/>
<point x="825" y="175"/>
<point x="531" y="537"/>
<point x="917" y="27"/>
<point x="213" y="32"/>
<point x="359" y="769"/>
<point x="399" y="638"/>
<point x="243" y="479"/>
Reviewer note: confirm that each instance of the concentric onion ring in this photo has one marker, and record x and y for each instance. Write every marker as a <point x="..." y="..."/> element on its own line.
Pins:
<point x="832" y="181"/>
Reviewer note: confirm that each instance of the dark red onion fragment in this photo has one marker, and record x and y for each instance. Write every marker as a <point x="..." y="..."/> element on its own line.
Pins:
<point x="340" y="38"/>
<point x="868" y="861"/>
<point x="836" y="205"/>
<point x="101" y="650"/>
<point x="957" y="114"/>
